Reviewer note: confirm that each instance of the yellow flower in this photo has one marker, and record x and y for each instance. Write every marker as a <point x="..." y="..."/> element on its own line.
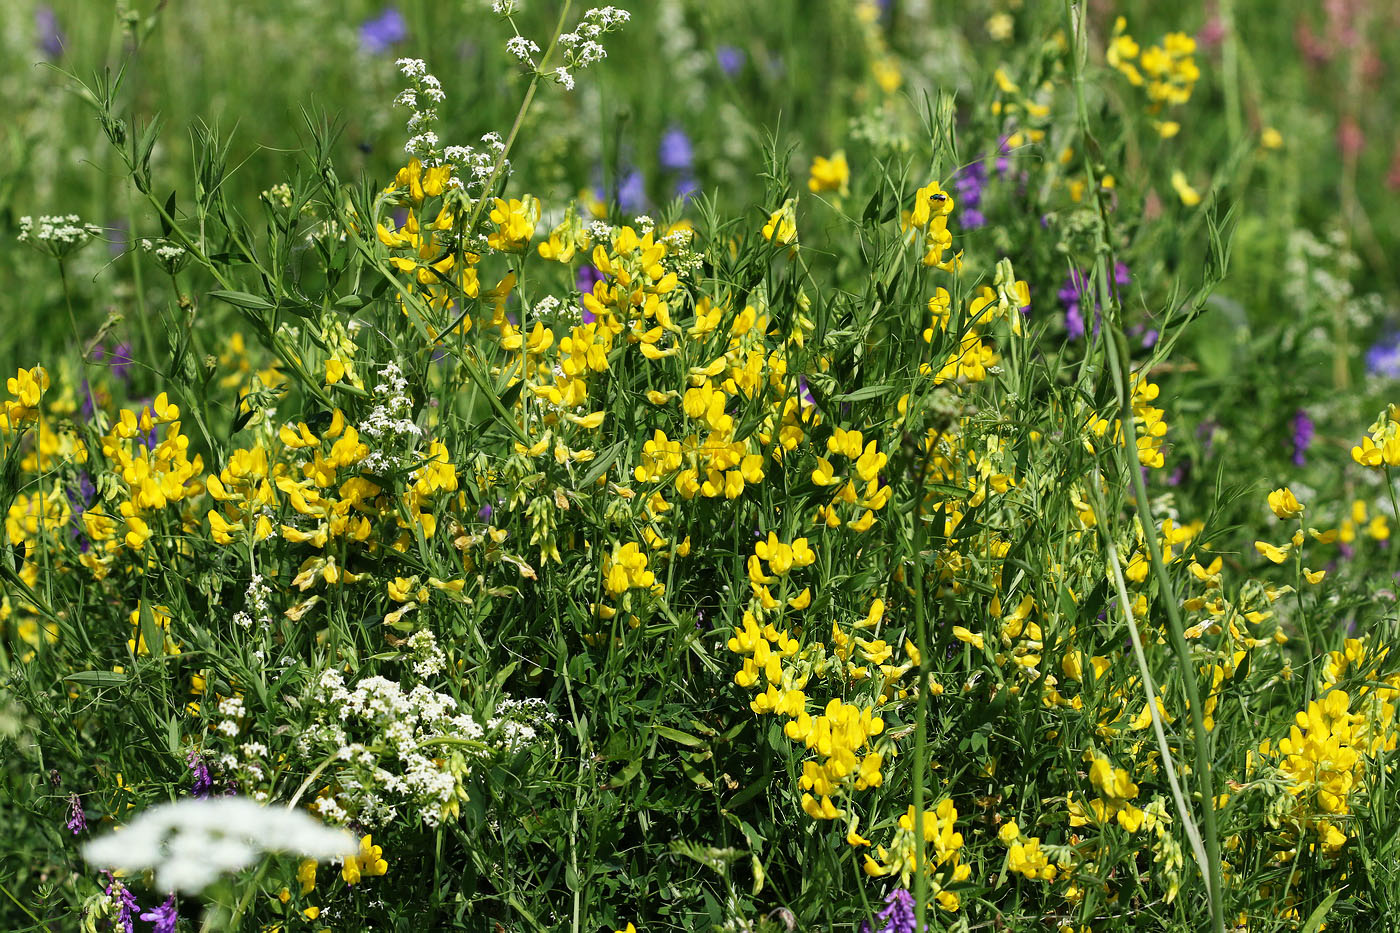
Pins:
<point x="830" y="174"/>
<point x="782" y="224"/>
<point x="1271" y="138"/>
<point x="967" y="637"/>
<point x="368" y="862"/>
<point x="1189" y="196"/>
<point x="1285" y="504"/>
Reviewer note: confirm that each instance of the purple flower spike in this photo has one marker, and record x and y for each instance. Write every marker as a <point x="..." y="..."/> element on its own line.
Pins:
<point x="631" y="192"/>
<point x="203" y="783"/>
<point x="77" y="820"/>
<point x="1383" y="358"/>
<point x="968" y="187"/>
<point x="163" y="917"/>
<point x="730" y="59"/>
<point x="126" y="914"/>
<point x="676" y="153"/>
<point x="898" y="914"/>
<point x="51" y="38"/>
<point x="121" y="361"/>
<point x="380" y="33"/>
<point x="588" y="276"/>
<point x="1302" y="437"/>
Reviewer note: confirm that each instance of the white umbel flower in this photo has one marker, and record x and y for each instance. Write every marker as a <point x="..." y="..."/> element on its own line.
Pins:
<point x="191" y="842"/>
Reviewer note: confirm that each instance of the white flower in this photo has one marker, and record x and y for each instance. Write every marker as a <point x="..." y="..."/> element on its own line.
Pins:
<point x="521" y="47"/>
<point x="190" y="843"/>
<point x="563" y="77"/>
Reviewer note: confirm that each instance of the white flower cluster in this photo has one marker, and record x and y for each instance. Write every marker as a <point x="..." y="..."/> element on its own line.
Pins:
<point x="428" y="659"/>
<point x="231" y="708"/>
<point x="581" y="47"/>
<point x="384" y="739"/>
<point x="476" y="165"/>
<point x="389" y="423"/>
<point x="190" y="843"/>
<point x="413" y="749"/>
<point x="58" y="235"/>
<point x="422" y="99"/>
<point x="680" y="253"/>
<point x="171" y="256"/>
<point x="522" y="48"/>
<point x="505" y="7"/>
<point x="257" y="607"/>
<point x="516" y="720"/>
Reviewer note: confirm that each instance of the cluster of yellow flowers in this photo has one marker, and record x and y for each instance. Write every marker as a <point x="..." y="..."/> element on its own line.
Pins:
<point x="942" y="853"/>
<point x="1380" y="448"/>
<point x="1168" y="71"/>
<point x="1147" y="420"/>
<point x="1324" y="757"/>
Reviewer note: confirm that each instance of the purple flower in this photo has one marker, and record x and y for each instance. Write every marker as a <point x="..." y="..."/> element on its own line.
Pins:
<point x="730" y="59"/>
<point x="1302" y="437"/>
<point x="1003" y="164"/>
<point x="203" y="783"/>
<point x="116" y="235"/>
<point x="121" y="361"/>
<point x="77" y="820"/>
<point x="51" y="38"/>
<point x="380" y="33"/>
<point x="898" y="914"/>
<point x="676" y="153"/>
<point x="687" y="188"/>
<point x="631" y="192"/>
<point x="1071" y="295"/>
<point x="164" y="916"/>
<point x="485" y="512"/>
<point x="967" y="186"/>
<point x="126" y="914"/>
<point x="1075" y="291"/>
<point x="587" y="276"/>
<point x="87" y="410"/>
<point x="1383" y="359"/>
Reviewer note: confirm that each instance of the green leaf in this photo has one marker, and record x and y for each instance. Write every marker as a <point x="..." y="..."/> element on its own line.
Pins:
<point x="97" y="678"/>
<point x="600" y="465"/>
<point x="152" y="633"/>
<point x="676" y="735"/>
<point x="860" y="395"/>
<point x="1317" y="916"/>
<point x="172" y="736"/>
<point x="242" y="300"/>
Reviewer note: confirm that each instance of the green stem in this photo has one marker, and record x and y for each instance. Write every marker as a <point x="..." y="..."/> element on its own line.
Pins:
<point x="496" y="169"/>
<point x="1116" y="345"/>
